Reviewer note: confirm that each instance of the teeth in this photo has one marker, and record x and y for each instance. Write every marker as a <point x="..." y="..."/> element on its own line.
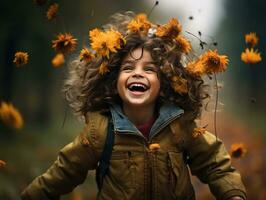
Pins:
<point x="137" y="85"/>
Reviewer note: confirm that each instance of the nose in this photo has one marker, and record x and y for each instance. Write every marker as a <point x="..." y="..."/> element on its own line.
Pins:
<point x="138" y="72"/>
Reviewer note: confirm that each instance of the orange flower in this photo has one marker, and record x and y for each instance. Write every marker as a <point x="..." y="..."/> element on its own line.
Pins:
<point x="238" y="150"/>
<point x="52" y="11"/>
<point x="214" y="62"/>
<point x="139" y="24"/>
<point x="179" y="84"/>
<point x="183" y="44"/>
<point x="2" y="163"/>
<point x="107" y="42"/>
<point x="10" y="116"/>
<point x="171" y="29"/>
<point x="86" y="55"/>
<point x="154" y="147"/>
<point x="142" y="17"/>
<point x="103" y="68"/>
<point x="251" y="39"/>
<point x="94" y="33"/>
<point x="198" y="131"/>
<point x="196" y="68"/>
<point x="21" y="58"/>
<point x="64" y="43"/>
<point x="58" y="60"/>
<point x="250" y="56"/>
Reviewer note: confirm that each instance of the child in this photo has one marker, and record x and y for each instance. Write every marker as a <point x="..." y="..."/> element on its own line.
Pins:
<point x="136" y="87"/>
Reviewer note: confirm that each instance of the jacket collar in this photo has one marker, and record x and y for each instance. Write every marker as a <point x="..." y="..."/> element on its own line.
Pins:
<point x="167" y="114"/>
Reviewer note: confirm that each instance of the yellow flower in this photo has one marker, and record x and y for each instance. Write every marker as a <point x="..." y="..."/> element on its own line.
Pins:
<point x="58" y="60"/>
<point x="183" y="44"/>
<point x="10" y="116"/>
<point x="21" y="58"/>
<point x="86" y="55"/>
<point x="142" y="17"/>
<point x="214" y="62"/>
<point x="94" y="33"/>
<point x="139" y="24"/>
<point x="198" y="131"/>
<point x="196" y="68"/>
<point x="107" y="42"/>
<point x="154" y="147"/>
<point x="251" y="39"/>
<point x="238" y="150"/>
<point x="64" y="43"/>
<point x="179" y="84"/>
<point x="171" y="29"/>
<point x="103" y="68"/>
<point x="2" y="164"/>
<point x="250" y="56"/>
<point x="52" y="11"/>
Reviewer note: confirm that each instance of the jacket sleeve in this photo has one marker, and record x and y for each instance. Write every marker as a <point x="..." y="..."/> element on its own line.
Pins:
<point x="68" y="171"/>
<point x="211" y="163"/>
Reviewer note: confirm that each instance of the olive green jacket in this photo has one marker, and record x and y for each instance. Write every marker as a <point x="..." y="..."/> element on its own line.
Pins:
<point x="137" y="171"/>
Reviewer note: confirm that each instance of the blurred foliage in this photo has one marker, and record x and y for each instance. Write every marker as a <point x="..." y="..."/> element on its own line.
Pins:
<point x="244" y="84"/>
<point x="35" y="89"/>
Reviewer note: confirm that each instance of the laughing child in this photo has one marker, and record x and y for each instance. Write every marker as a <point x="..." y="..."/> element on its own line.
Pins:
<point x="140" y="99"/>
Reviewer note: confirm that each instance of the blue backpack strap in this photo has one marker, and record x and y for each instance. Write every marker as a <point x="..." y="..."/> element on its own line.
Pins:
<point x="103" y="163"/>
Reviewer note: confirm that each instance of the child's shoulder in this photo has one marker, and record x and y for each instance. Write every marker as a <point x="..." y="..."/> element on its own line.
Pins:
<point x="95" y="117"/>
<point x="96" y="128"/>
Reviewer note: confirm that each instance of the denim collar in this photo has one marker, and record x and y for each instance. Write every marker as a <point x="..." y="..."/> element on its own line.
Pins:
<point x="167" y="113"/>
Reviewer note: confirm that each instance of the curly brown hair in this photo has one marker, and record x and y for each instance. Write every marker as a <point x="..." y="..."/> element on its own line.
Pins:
<point x="87" y="90"/>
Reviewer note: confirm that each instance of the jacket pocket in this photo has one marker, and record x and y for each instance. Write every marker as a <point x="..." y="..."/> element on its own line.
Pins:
<point x="179" y="178"/>
<point x="123" y="169"/>
<point x="173" y="170"/>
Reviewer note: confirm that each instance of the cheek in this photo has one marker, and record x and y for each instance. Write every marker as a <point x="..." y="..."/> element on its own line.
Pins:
<point x="120" y="84"/>
<point x="156" y="85"/>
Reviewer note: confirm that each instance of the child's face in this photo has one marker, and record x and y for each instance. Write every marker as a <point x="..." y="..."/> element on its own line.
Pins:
<point x="138" y="83"/>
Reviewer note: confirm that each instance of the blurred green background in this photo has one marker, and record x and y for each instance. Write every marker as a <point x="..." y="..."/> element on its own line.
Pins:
<point x="35" y="89"/>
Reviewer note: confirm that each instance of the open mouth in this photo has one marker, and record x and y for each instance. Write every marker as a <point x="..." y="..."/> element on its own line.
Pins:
<point x="137" y="87"/>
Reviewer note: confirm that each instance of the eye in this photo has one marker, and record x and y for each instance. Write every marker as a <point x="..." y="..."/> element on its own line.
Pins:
<point x="126" y="68"/>
<point x="150" y="69"/>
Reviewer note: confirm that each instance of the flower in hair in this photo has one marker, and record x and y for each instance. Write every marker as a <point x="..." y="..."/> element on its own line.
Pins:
<point x="64" y="43"/>
<point x="170" y="30"/>
<point x="179" y="84"/>
<point x="183" y="44"/>
<point x="214" y="62"/>
<point x="86" y="55"/>
<point x="139" y="24"/>
<point x="250" y="56"/>
<point x="208" y="63"/>
<point x="196" y="68"/>
<point x="107" y="42"/>
<point x="152" y="32"/>
<point x="103" y="68"/>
